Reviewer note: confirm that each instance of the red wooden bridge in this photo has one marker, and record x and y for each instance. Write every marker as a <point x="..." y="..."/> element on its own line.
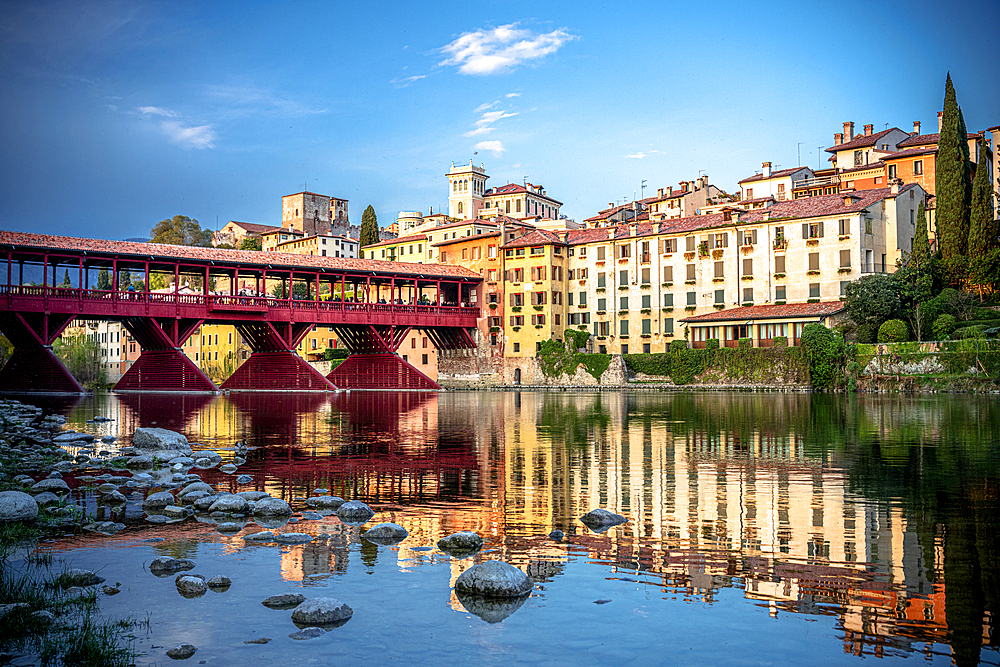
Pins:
<point x="162" y="294"/>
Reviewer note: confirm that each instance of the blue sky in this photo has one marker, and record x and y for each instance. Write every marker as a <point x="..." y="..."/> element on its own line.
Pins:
<point x="115" y="115"/>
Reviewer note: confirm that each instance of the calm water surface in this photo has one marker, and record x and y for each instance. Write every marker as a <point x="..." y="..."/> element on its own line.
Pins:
<point x="763" y="529"/>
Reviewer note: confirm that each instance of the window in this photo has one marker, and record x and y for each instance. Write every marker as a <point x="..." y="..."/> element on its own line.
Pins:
<point x="812" y="230"/>
<point x="813" y="290"/>
<point x="517" y="320"/>
<point x="668" y="246"/>
<point x="570" y="301"/>
<point x="624" y="251"/>
<point x="868" y="225"/>
<point x="601" y="279"/>
<point x="749" y="193"/>
<point x="720" y="296"/>
<point x="844" y="226"/>
<point x="583" y="251"/>
<point x="519" y="252"/>
<point x="747" y="295"/>
<point x="602" y="305"/>
<point x="623" y="277"/>
<point x="492" y="276"/>
<point x="892" y="171"/>
<point x="516" y="299"/>
<point x="918" y="167"/>
<point x="647" y="326"/>
<point x="538" y="298"/>
<point x="779" y="293"/>
<point x="538" y="319"/>
<point x="690" y="271"/>
<point x="645" y="348"/>
<point x="600" y="252"/>
<point x="748" y="237"/>
<point x="843" y="287"/>
<point x="646" y="300"/>
<point x="814" y="261"/>
<point x="691" y="298"/>
<point x="720" y="269"/>
<point x="859" y="156"/>
<point x="645" y="276"/>
<point x="583" y="299"/>
<point x="845" y="259"/>
<point x="623" y="303"/>
<point x="624" y="347"/>
<point x="517" y="347"/>
<point x="689" y="243"/>
<point x="668" y="300"/>
<point x="747" y="267"/>
<point x="518" y="205"/>
<point x="718" y="240"/>
<point x="519" y="275"/>
<point x="668" y="274"/>
<point x="623" y="328"/>
<point x="413" y="343"/>
<point x="668" y="325"/>
<point x="491" y="252"/>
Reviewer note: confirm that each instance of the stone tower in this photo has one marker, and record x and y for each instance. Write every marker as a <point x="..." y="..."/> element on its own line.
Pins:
<point x="306" y="212"/>
<point x="466" y="185"/>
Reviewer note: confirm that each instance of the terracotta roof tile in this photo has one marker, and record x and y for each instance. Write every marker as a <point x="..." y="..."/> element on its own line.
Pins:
<point x="536" y="237"/>
<point x="462" y="239"/>
<point x="254" y="227"/>
<point x="927" y="139"/>
<point x="242" y="258"/>
<point x="401" y="239"/>
<point x="770" y="312"/>
<point x="910" y="152"/>
<point x="861" y="141"/>
<point x="774" y="174"/>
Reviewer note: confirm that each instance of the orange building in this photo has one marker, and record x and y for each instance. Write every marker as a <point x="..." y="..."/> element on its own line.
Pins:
<point x="481" y="254"/>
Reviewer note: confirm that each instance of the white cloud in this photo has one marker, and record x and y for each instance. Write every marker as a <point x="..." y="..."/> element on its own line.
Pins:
<point x="479" y="130"/>
<point x="113" y="107"/>
<point x="484" y="52"/>
<point x="189" y="137"/>
<point x="488" y="119"/>
<point x="251" y="100"/>
<point x="157" y="111"/>
<point x="403" y="83"/>
<point x="512" y="95"/>
<point x="494" y="147"/>
<point x="636" y="156"/>
<point x="486" y="105"/>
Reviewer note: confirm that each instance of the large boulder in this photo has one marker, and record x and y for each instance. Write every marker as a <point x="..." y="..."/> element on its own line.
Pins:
<point x="165" y="566"/>
<point x="190" y="586"/>
<point x="355" y="512"/>
<point x="284" y="601"/>
<point x="53" y="485"/>
<point x="321" y="611"/>
<point x="385" y="534"/>
<point x="230" y="505"/>
<point x="493" y="579"/>
<point x="325" y="502"/>
<point x="271" y="507"/>
<point x="161" y="443"/>
<point x="461" y="544"/>
<point x="599" y="520"/>
<point x="158" y="500"/>
<point x="17" y="506"/>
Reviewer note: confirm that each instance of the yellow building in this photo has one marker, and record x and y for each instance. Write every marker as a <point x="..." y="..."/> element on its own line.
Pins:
<point x="535" y="271"/>
<point x="221" y="352"/>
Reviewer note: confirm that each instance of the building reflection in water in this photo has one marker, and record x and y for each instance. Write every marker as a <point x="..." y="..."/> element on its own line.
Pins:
<point x="874" y="510"/>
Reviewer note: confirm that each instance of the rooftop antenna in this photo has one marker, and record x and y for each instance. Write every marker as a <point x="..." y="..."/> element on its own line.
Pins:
<point x="819" y="157"/>
<point x="798" y="153"/>
<point x="642" y="189"/>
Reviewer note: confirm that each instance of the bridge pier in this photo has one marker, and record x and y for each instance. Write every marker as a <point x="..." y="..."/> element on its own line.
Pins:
<point x="379" y="371"/>
<point x="162" y="364"/>
<point x="34" y="367"/>
<point x="273" y="365"/>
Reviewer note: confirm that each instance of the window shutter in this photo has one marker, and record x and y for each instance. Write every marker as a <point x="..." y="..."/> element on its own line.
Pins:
<point x="739" y="238"/>
<point x="754" y="237"/>
<point x="805" y="230"/>
<point x="822" y="226"/>
<point x="725" y="239"/>
<point x="668" y="274"/>
<point x="511" y="298"/>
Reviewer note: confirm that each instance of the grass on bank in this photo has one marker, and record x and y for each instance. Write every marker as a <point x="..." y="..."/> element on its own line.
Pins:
<point x="78" y="636"/>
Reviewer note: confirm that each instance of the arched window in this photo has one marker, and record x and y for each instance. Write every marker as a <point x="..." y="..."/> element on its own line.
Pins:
<point x="460" y="208"/>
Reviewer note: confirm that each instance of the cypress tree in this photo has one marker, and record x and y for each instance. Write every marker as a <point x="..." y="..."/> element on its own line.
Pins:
<point x="982" y="226"/>
<point x="369" y="227"/>
<point x="952" y="186"/>
<point x="921" y="253"/>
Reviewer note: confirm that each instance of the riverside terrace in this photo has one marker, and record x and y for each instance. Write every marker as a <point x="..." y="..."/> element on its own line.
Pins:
<point x="163" y="293"/>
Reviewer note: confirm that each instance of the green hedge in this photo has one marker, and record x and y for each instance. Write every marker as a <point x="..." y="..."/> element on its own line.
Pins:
<point x="743" y="364"/>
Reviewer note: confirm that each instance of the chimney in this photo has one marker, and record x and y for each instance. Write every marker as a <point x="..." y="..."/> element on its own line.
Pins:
<point x="766" y="170"/>
<point x="683" y="186"/>
<point x="848" y="131"/>
<point x="940" y="118"/>
<point x="838" y="139"/>
<point x="916" y="127"/>
<point x="659" y="192"/>
<point x="868" y="130"/>
<point x="894" y="185"/>
<point x="611" y="233"/>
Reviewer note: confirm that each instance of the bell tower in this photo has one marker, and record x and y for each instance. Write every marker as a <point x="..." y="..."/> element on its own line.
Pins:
<point x="466" y="186"/>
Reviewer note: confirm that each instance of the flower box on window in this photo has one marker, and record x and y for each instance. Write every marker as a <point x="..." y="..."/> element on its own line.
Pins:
<point x="779" y="275"/>
<point x="666" y="284"/>
<point x="719" y="306"/>
<point x="718" y="280"/>
<point x="812" y="242"/>
<point x="844" y="269"/>
<point x="812" y="272"/>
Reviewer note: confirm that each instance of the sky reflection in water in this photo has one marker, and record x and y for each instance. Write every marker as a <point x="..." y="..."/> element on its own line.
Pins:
<point x="762" y="528"/>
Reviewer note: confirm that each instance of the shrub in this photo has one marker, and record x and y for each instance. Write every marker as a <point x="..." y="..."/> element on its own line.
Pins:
<point x="823" y="350"/>
<point x="746" y="343"/>
<point x="781" y="341"/>
<point x="865" y="334"/>
<point x="576" y="339"/>
<point x="331" y="353"/>
<point x="975" y="331"/>
<point x="893" y="331"/>
<point x="944" y="325"/>
<point x="712" y="344"/>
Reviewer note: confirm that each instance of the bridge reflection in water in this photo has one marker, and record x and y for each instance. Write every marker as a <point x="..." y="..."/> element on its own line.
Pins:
<point x="883" y="513"/>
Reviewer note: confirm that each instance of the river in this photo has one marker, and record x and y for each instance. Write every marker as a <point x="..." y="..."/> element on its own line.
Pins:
<point x="762" y="528"/>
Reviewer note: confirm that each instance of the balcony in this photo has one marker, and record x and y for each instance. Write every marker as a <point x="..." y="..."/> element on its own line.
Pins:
<point x="818" y="182"/>
<point x="780" y="243"/>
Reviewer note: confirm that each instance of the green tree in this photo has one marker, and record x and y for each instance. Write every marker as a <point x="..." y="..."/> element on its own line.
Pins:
<point x="982" y="225"/>
<point x="66" y="282"/>
<point x="82" y="356"/>
<point x="824" y="349"/>
<point x="952" y="179"/>
<point x="250" y="243"/>
<point x="870" y="301"/>
<point x="104" y="280"/>
<point x="180" y="230"/>
<point x="921" y="252"/>
<point x="369" y="227"/>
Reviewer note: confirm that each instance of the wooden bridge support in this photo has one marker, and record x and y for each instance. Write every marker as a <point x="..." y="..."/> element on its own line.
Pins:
<point x="273" y="365"/>
<point x="162" y="365"/>
<point x="379" y="371"/>
<point x="34" y="367"/>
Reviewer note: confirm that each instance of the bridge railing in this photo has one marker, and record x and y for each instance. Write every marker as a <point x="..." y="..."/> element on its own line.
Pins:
<point x="227" y="302"/>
